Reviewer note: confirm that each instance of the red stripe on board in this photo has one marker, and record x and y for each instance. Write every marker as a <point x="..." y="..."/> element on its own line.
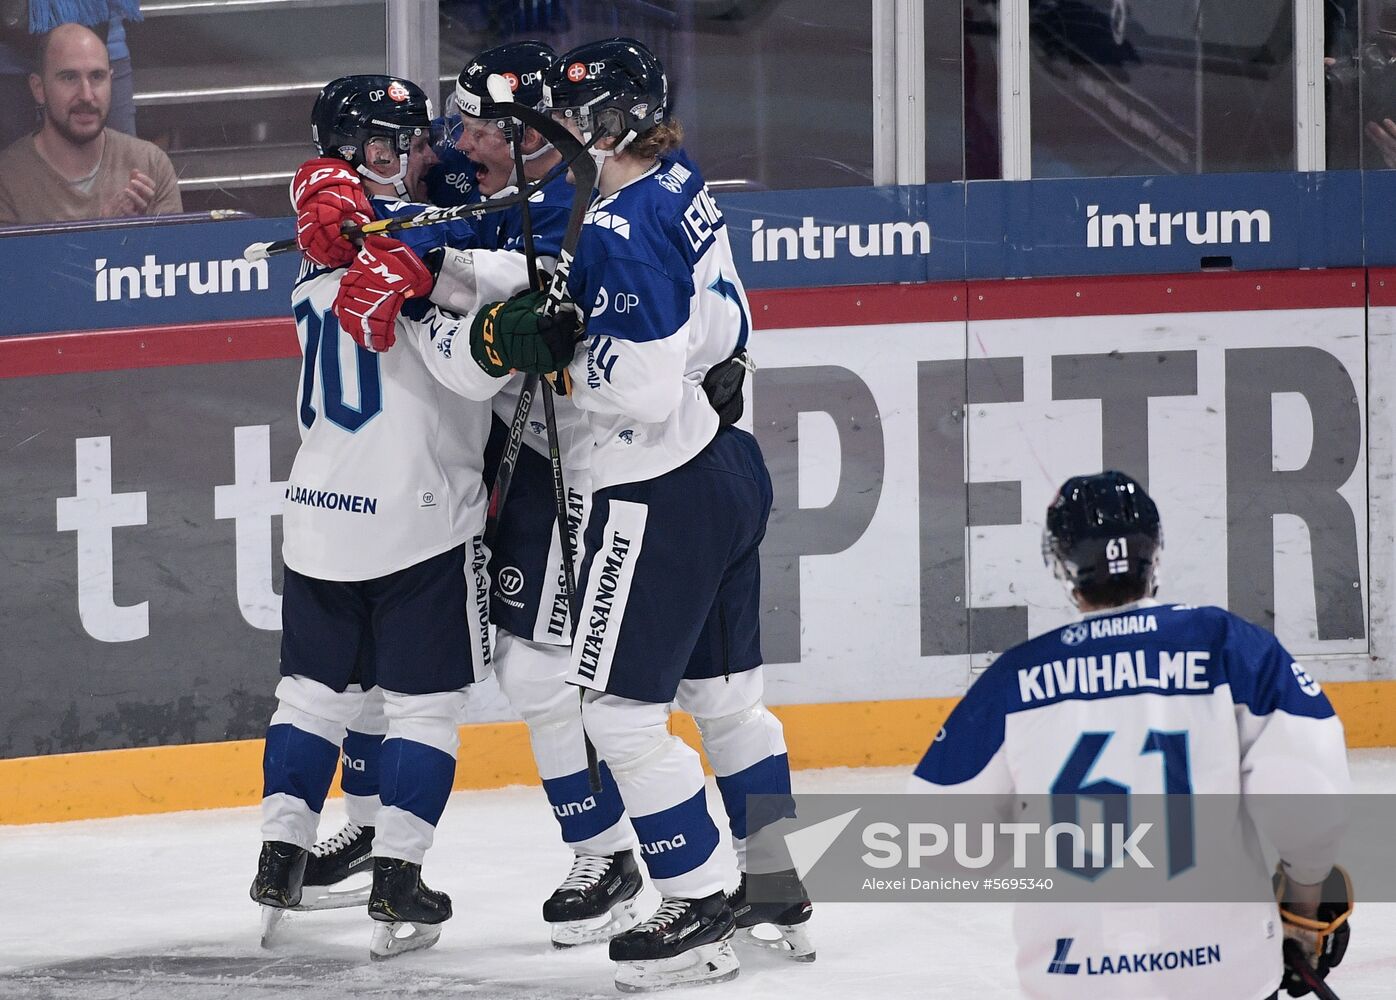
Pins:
<point x="852" y="305"/>
<point x="148" y="347"/>
<point x="1381" y="286"/>
<point x="1124" y="295"/>
<point x="858" y="305"/>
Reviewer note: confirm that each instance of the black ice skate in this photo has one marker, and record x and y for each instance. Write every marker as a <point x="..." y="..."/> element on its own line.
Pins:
<point x="277" y="886"/>
<point x="686" y="942"/>
<point x="339" y="871"/>
<point x="776" y="918"/>
<point x="409" y="914"/>
<point x="596" y="901"/>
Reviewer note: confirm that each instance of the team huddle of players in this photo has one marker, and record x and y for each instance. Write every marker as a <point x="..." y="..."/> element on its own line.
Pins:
<point x="419" y="350"/>
<point x="412" y="349"/>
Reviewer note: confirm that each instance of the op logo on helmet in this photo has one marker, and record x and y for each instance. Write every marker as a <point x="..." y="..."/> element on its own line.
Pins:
<point x="577" y="72"/>
<point x="397" y="92"/>
<point x="347" y="152"/>
<point x="512" y="80"/>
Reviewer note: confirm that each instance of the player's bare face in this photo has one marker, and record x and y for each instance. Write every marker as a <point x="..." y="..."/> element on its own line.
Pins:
<point x="569" y="123"/>
<point x="380" y="156"/>
<point x="420" y="159"/>
<point x="76" y="88"/>
<point x="484" y="143"/>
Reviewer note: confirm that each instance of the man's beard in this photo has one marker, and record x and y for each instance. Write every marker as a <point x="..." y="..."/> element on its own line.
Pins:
<point x="62" y="127"/>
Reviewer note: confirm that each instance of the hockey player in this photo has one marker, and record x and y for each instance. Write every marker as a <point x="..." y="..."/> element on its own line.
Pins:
<point x="669" y="594"/>
<point x="528" y="601"/>
<point x="1253" y="722"/>
<point x="528" y="604"/>
<point x="385" y="581"/>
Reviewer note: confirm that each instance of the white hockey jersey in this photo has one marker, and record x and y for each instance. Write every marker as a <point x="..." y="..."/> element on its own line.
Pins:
<point x="655" y="273"/>
<point x="497" y="269"/>
<point x="389" y="469"/>
<point x="1150" y="699"/>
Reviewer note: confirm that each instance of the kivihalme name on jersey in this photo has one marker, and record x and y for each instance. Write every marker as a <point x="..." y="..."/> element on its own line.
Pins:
<point x="1125" y="670"/>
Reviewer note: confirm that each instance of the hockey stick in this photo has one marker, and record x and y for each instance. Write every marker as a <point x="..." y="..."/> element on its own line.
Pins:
<point x="431" y="217"/>
<point x="584" y="180"/>
<point x="261" y="251"/>
<point x="1297" y="964"/>
<point x="499" y="91"/>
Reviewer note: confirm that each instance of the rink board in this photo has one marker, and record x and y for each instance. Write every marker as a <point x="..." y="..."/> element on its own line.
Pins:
<point x="914" y="433"/>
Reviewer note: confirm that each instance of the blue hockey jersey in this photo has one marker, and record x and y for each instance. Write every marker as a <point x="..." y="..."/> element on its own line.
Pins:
<point x="655" y="274"/>
<point x="1150" y="699"/>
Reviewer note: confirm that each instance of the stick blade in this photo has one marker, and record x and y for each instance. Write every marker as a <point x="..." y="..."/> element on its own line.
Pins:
<point x="499" y="89"/>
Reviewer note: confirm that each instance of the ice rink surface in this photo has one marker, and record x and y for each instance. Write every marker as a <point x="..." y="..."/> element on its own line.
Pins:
<point x="156" y="908"/>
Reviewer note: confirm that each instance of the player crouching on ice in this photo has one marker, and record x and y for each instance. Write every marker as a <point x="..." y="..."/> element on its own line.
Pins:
<point x="1255" y="724"/>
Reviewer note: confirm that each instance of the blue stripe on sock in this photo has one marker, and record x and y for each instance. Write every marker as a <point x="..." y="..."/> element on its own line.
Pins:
<point x="298" y="763"/>
<point x="359" y="763"/>
<point x="678" y="839"/>
<point x="416" y="778"/>
<point x="580" y="812"/>
<point x="770" y="780"/>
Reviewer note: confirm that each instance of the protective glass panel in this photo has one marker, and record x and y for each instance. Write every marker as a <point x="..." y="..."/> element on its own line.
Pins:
<point x="981" y="94"/>
<point x="227" y="90"/>
<point x="1161" y="87"/>
<point x="771" y="93"/>
<point x="1360" y="83"/>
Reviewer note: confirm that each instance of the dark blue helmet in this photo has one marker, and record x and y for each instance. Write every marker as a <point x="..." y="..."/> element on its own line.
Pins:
<point x="522" y="64"/>
<point x="614" y="87"/>
<point x="354" y="109"/>
<point x="1103" y="529"/>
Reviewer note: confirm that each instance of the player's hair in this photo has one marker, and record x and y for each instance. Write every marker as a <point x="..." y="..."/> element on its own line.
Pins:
<point x="665" y="137"/>
<point x="39" y="51"/>
<point x="1112" y="592"/>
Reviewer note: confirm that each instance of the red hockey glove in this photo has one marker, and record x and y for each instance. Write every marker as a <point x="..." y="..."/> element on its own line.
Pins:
<point x="384" y="275"/>
<point x="324" y="193"/>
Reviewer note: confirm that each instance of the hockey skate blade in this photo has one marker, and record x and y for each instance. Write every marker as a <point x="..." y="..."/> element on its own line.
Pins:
<point x="394" y="938"/>
<point x="791" y="941"/>
<point x="593" y="930"/>
<point x="271" y="919"/>
<point x="709" y="963"/>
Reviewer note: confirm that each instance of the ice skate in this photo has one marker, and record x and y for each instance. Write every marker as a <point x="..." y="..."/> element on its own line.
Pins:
<point x="779" y="921"/>
<point x="686" y="942"/>
<point x="596" y="901"/>
<point x="277" y="885"/>
<point x="408" y="914"/>
<point x="339" y="871"/>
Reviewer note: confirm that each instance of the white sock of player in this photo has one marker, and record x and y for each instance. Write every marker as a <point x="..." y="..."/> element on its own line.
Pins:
<point x="417" y="767"/>
<point x="531" y="674"/>
<point x="745" y="745"/>
<point x="303" y="741"/>
<point x="661" y="780"/>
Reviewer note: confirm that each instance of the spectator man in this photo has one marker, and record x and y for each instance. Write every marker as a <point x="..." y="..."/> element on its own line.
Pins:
<point x="75" y="167"/>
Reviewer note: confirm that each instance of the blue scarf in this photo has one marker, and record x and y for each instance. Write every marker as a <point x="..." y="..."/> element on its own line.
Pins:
<point x="45" y="15"/>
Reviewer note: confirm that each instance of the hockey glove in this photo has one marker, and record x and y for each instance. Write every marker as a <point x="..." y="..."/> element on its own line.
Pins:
<point x="516" y="336"/>
<point x="723" y="387"/>
<point x="325" y="192"/>
<point x="384" y="275"/>
<point x="1321" y="941"/>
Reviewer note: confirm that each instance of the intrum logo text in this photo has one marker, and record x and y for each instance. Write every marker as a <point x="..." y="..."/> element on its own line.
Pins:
<point x="1147" y="228"/>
